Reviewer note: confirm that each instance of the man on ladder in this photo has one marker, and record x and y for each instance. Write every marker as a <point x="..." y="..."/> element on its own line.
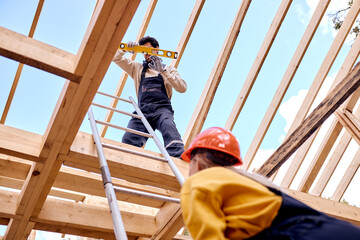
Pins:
<point x="153" y="84"/>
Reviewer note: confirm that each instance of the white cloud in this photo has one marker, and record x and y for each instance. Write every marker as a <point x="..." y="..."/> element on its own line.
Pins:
<point x="289" y="108"/>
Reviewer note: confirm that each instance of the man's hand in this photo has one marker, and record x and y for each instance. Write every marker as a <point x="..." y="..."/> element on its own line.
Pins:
<point x="132" y="44"/>
<point x="156" y="64"/>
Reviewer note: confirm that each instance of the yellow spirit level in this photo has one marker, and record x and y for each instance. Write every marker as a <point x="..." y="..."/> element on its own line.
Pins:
<point x="150" y="51"/>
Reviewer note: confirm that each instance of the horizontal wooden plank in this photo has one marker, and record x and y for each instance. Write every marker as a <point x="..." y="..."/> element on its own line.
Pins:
<point x="37" y="54"/>
<point x="20" y="143"/>
<point x="78" y="181"/>
<point x="333" y="208"/>
<point x="142" y="170"/>
<point x="58" y="215"/>
<point x="123" y="165"/>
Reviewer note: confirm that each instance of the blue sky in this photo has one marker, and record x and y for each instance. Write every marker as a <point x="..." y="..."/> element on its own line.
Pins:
<point x="63" y="24"/>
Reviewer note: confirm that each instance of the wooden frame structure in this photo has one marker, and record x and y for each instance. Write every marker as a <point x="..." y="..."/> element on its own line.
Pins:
<point x="53" y="181"/>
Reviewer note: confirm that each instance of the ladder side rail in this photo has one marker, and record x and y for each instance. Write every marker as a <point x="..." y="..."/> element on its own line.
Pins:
<point x="146" y="194"/>
<point x="119" y="228"/>
<point x="172" y="165"/>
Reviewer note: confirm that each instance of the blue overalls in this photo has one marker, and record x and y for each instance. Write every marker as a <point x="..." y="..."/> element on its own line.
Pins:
<point x="156" y="107"/>
<point x="297" y="221"/>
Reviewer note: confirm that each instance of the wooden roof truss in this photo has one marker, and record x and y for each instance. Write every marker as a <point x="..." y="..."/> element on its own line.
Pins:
<point x="53" y="181"/>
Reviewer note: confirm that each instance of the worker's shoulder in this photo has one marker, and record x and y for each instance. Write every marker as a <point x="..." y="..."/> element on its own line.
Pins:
<point x="215" y="175"/>
<point x="218" y="171"/>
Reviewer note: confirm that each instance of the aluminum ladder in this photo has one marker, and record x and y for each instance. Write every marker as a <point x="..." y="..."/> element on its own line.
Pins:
<point x="110" y="189"/>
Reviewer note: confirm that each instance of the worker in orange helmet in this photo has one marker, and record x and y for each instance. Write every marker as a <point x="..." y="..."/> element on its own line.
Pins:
<point x="219" y="201"/>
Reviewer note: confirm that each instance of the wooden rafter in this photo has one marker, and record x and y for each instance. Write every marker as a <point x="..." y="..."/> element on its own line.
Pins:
<point x="350" y="122"/>
<point x="258" y="63"/>
<point x="74" y="180"/>
<point x="188" y="31"/>
<point x="198" y="118"/>
<point x="326" y="65"/>
<point x="79" y="218"/>
<point x="324" y="149"/>
<point x="285" y="82"/>
<point x="303" y="150"/>
<point x="340" y="149"/>
<point x="346" y="179"/>
<point x="332" y="101"/>
<point x="37" y="54"/>
<point x="20" y="66"/>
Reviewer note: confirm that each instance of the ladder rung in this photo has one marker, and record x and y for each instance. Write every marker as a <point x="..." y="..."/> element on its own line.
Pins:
<point x="133" y="152"/>
<point x="124" y="128"/>
<point x="118" y="98"/>
<point x="146" y="194"/>
<point x="116" y="110"/>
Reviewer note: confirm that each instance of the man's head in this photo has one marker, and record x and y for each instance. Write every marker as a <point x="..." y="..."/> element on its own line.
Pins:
<point x="213" y="147"/>
<point x="153" y="42"/>
<point x="148" y="42"/>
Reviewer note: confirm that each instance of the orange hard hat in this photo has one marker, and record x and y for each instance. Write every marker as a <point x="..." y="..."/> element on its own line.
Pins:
<point x="215" y="138"/>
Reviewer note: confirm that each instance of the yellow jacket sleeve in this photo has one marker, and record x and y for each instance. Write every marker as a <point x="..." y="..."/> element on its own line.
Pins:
<point x="218" y="203"/>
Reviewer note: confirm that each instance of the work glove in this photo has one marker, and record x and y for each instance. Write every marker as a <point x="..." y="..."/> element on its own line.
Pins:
<point x="156" y="64"/>
<point x="132" y="44"/>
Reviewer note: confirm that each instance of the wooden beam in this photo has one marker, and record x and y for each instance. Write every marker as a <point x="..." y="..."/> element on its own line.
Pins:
<point x="285" y="82"/>
<point x="257" y="64"/>
<point x="83" y="155"/>
<point x="198" y="118"/>
<point x="350" y="122"/>
<point x="331" y="102"/>
<point x="346" y="179"/>
<point x="335" y="209"/>
<point x="18" y="184"/>
<point x="332" y="164"/>
<point x="325" y="147"/>
<point x="122" y="12"/>
<point x="106" y="29"/>
<point x="302" y="152"/>
<point x="65" y="216"/>
<point x="188" y="31"/>
<point x="169" y="221"/>
<point x="131" y="167"/>
<point x="320" y="156"/>
<point x="37" y="54"/>
<point x="90" y="183"/>
<point x="20" y="143"/>
<point x="125" y="206"/>
<point x="75" y="183"/>
<point x="20" y="67"/>
<point x="326" y="65"/>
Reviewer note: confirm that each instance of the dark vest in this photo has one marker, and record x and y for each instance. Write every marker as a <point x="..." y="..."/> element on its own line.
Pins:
<point x="152" y="93"/>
